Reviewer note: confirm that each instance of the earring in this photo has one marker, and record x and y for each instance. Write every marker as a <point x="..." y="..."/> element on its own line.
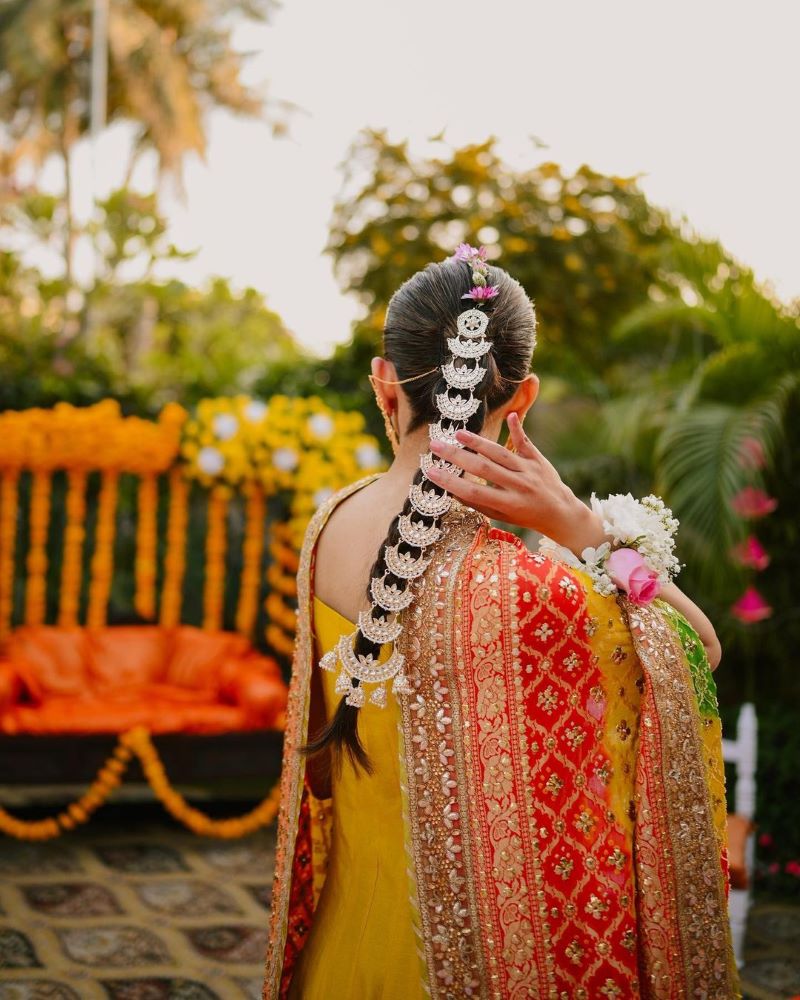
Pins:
<point x="391" y="433"/>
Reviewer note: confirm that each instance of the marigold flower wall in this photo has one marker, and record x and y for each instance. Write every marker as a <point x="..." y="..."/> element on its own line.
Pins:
<point x="195" y="518"/>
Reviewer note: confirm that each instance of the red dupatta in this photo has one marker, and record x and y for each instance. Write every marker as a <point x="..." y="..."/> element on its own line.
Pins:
<point x="557" y="789"/>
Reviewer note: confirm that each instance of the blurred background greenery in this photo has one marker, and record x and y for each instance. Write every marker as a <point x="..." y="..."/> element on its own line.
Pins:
<point x="665" y="365"/>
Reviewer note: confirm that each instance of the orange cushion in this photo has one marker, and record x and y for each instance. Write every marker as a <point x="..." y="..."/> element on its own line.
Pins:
<point x="198" y="657"/>
<point x="50" y="660"/>
<point x="126" y="655"/>
<point x="81" y="716"/>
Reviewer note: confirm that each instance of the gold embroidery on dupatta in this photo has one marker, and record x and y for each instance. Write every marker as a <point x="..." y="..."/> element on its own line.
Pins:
<point x="514" y="927"/>
<point x="442" y="867"/>
<point x="295" y="734"/>
<point x="685" y="943"/>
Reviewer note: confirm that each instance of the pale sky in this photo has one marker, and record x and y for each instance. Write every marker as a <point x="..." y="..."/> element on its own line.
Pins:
<point x="701" y="97"/>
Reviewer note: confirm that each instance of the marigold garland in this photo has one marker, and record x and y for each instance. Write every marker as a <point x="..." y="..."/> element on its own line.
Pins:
<point x="216" y="547"/>
<point x="252" y="549"/>
<point x="36" y="561"/>
<point x="72" y="558"/>
<point x="8" y="536"/>
<point x="89" y="437"/>
<point x="146" y="546"/>
<point x="102" y="565"/>
<point x="175" y="557"/>
<point x="137" y="741"/>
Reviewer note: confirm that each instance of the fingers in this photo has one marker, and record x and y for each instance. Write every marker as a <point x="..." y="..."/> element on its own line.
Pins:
<point x="471" y="493"/>
<point x="490" y="449"/>
<point x="519" y="438"/>
<point x="476" y="465"/>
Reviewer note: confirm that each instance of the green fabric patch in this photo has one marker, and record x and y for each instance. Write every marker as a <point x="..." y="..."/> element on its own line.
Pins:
<point x="705" y="688"/>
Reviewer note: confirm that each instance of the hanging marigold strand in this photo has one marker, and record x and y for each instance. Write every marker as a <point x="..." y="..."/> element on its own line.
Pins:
<point x="72" y="558"/>
<point x="282" y="580"/>
<point x="36" y="562"/>
<point x="109" y="777"/>
<point x="175" y="558"/>
<point x="102" y="565"/>
<point x="252" y="549"/>
<point x="216" y="548"/>
<point x="8" y="538"/>
<point x="146" y="546"/>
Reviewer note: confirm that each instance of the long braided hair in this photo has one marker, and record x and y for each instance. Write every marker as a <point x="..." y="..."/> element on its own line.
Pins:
<point x="476" y="323"/>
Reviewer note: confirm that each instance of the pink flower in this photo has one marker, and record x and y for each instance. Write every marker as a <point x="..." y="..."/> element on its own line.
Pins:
<point x="752" y="503"/>
<point x="469" y="253"/>
<point x="792" y="868"/>
<point x="630" y="572"/>
<point x="751" y="454"/>
<point x="774" y="868"/>
<point x="751" y="607"/>
<point x="765" y="840"/>
<point x="751" y="553"/>
<point x="478" y="294"/>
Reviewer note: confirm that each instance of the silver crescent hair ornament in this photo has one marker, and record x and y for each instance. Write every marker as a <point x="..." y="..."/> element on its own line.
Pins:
<point x="456" y="405"/>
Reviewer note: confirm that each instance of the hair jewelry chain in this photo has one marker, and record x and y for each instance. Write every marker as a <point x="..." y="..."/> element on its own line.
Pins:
<point x="418" y="529"/>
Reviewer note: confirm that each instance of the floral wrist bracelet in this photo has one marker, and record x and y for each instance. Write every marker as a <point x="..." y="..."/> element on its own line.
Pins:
<point x="640" y="557"/>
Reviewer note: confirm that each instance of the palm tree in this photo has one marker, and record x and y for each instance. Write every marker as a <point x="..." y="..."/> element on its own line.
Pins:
<point x="727" y="362"/>
<point x="170" y="62"/>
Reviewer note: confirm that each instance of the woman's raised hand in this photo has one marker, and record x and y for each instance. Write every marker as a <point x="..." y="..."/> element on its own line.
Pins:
<point x="525" y="489"/>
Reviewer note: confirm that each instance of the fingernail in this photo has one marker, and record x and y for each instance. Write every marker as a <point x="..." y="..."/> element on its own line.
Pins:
<point x="438" y="445"/>
<point x="464" y="436"/>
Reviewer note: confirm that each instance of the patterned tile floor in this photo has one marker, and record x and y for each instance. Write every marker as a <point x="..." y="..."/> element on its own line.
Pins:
<point x="132" y="908"/>
<point x="134" y="911"/>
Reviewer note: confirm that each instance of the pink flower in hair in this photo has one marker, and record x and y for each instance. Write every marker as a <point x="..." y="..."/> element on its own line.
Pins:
<point x="478" y="294"/>
<point x="470" y="254"/>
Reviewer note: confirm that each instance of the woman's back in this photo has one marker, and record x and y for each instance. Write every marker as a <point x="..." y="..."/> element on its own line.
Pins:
<point x="362" y="924"/>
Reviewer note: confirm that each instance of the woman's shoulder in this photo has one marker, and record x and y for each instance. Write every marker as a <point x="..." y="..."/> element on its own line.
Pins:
<point x="539" y="579"/>
<point x="328" y="505"/>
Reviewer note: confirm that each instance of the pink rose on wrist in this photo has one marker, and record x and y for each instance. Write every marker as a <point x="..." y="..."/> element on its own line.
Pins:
<point x="630" y="573"/>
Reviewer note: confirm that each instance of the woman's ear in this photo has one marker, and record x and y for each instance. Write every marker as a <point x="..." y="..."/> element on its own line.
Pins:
<point x="523" y="399"/>
<point x="384" y="372"/>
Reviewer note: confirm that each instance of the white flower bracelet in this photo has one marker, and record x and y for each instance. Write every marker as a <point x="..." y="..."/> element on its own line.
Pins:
<point x="640" y="557"/>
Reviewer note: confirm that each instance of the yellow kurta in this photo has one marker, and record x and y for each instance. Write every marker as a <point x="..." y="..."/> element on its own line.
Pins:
<point x="362" y="945"/>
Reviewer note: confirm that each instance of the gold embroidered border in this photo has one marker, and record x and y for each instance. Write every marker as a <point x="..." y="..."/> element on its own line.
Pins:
<point x="442" y="868"/>
<point x="293" y="766"/>
<point x="501" y="805"/>
<point x="685" y="952"/>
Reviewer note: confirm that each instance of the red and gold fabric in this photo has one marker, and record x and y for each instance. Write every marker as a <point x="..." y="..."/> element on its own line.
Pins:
<point x="561" y="787"/>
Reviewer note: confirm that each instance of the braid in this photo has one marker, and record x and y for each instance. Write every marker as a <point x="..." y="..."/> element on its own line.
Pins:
<point x="467" y="375"/>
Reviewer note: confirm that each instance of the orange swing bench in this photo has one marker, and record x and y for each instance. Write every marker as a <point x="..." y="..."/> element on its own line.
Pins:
<point x="71" y="685"/>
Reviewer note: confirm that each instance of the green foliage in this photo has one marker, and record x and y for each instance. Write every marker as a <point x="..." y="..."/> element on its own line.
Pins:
<point x="586" y="247"/>
<point x="169" y="63"/>
<point x="145" y="342"/>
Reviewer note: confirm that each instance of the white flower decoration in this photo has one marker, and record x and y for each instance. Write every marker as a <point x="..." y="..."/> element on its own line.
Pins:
<point x="558" y="553"/>
<point x="367" y="456"/>
<point x="646" y="525"/>
<point x="320" y="425"/>
<point x="225" y="426"/>
<point x="321" y="496"/>
<point x="255" y="411"/>
<point x="211" y="461"/>
<point x="285" y="459"/>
